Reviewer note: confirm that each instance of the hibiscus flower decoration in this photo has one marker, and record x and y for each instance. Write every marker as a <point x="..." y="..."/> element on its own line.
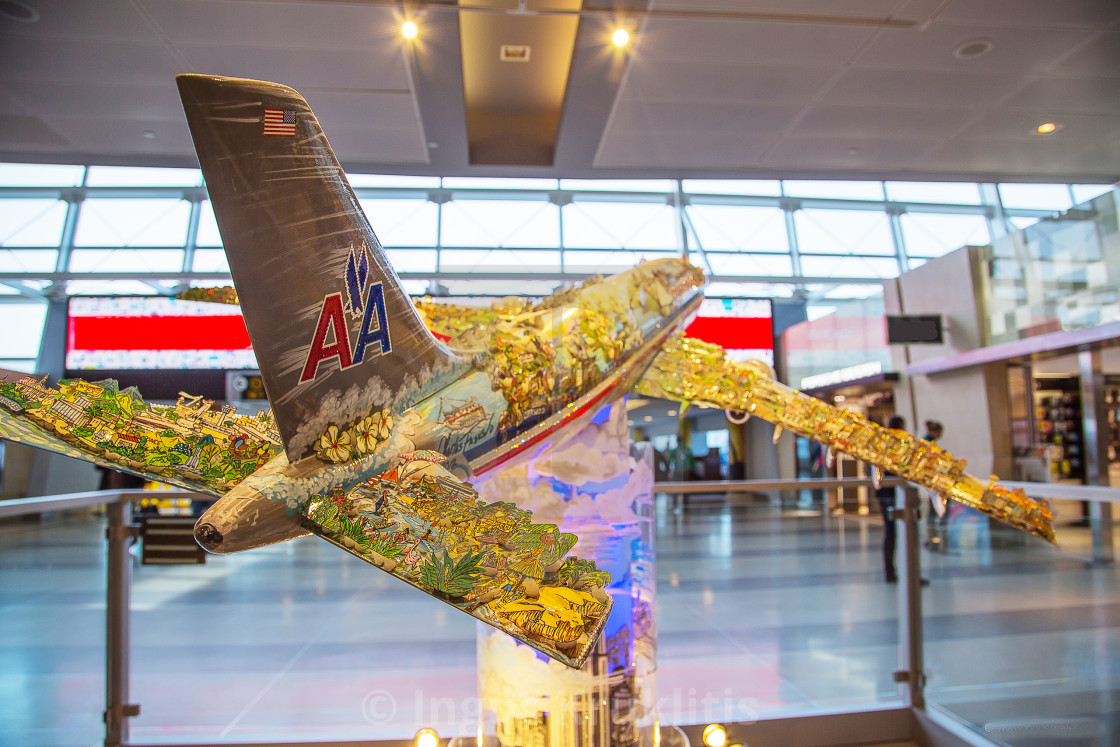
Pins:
<point x="367" y="434"/>
<point x="334" y="445"/>
<point x="386" y="424"/>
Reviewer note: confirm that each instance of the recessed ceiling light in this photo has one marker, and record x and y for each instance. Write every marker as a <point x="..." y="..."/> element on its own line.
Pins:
<point x="973" y="48"/>
<point x="18" y="12"/>
<point x="149" y="134"/>
<point x="514" y="52"/>
<point x="409" y="30"/>
<point x="1047" y="128"/>
<point x="620" y="38"/>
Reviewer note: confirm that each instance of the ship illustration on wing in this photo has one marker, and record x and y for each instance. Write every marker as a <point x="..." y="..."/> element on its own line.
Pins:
<point x="383" y="409"/>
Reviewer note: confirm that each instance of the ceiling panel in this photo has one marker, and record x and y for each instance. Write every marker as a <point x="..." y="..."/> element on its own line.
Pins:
<point x="721" y="150"/>
<point x="1099" y="57"/>
<point x="1003" y="126"/>
<point x="124" y="138"/>
<point x="115" y="103"/>
<point x="673" y="116"/>
<point x="336" y="68"/>
<point x="713" y="151"/>
<point x="28" y="132"/>
<point x="359" y="143"/>
<point x="1094" y="159"/>
<point x="919" y="88"/>
<point x="9" y="104"/>
<point x="741" y="41"/>
<point x="1070" y="95"/>
<point x="862" y="8"/>
<point x="1016" y="51"/>
<point x="816" y="154"/>
<point x="708" y="81"/>
<point x="308" y="25"/>
<point x="881" y="121"/>
<point x="106" y="19"/>
<point x="29" y="58"/>
<point x="1010" y="157"/>
<point x="1038" y="13"/>
<point x="375" y="111"/>
<point x="629" y="149"/>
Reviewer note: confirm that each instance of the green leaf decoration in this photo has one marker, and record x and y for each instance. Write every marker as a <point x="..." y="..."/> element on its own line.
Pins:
<point x="324" y="514"/>
<point x="353" y="530"/>
<point x="381" y="545"/>
<point x="449" y="576"/>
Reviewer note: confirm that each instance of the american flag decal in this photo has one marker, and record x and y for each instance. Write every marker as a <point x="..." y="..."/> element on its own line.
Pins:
<point x="280" y="122"/>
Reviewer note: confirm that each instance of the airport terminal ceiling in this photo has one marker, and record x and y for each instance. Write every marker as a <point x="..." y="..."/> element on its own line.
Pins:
<point x="874" y="89"/>
<point x="708" y="134"/>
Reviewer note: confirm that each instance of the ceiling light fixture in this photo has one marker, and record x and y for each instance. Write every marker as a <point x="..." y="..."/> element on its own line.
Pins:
<point x="973" y="48"/>
<point x="409" y="30"/>
<point x="426" y="738"/>
<point x="1047" y="128"/>
<point x="620" y="38"/>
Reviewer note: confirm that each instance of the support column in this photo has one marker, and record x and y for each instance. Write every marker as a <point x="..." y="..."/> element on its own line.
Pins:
<point x="1094" y="418"/>
<point x="736" y="450"/>
<point x="52" y="349"/>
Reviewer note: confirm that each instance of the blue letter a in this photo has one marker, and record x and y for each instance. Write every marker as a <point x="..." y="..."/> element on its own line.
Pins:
<point x="375" y="304"/>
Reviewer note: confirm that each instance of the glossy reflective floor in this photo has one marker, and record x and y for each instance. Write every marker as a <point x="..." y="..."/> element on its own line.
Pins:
<point x="760" y="613"/>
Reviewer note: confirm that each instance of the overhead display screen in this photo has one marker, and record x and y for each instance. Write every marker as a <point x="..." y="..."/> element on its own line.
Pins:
<point x="744" y="327"/>
<point x="142" y="332"/>
<point x="156" y="332"/>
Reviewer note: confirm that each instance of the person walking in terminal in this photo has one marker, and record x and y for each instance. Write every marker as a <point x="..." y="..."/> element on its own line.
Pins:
<point x="886" y="498"/>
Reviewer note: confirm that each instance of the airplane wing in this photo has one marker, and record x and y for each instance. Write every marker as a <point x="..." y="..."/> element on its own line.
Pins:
<point x="194" y="444"/>
<point x="696" y="372"/>
<point x="421" y="524"/>
<point x="415" y="521"/>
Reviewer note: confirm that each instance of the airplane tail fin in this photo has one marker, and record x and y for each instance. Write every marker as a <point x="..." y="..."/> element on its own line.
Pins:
<point x="336" y="337"/>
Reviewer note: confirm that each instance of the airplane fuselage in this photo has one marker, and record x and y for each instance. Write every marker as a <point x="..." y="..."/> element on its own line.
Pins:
<point x="535" y="373"/>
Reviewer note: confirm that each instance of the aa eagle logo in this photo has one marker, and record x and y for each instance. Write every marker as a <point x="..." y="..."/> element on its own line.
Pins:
<point x="362" y="299"/>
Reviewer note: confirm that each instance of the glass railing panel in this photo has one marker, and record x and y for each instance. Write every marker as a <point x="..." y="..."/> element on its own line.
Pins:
<point x="764" y="614"/>
<point x="1021" y="639"/>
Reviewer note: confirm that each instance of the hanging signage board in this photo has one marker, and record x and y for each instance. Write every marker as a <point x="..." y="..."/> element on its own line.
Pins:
<point x="912" y="329"/>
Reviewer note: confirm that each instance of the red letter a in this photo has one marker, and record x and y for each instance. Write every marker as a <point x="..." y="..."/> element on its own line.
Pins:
<point x="330" y="317"/>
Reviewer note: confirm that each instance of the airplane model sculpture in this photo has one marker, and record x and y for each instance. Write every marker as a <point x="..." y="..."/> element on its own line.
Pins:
<point x="380" y="407"/>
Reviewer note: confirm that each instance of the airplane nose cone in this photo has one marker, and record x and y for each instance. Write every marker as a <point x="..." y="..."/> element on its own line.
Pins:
<point x="208" y="536"/>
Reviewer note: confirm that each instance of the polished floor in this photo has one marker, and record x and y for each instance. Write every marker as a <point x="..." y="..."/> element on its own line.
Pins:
<point x="760" y="613"/>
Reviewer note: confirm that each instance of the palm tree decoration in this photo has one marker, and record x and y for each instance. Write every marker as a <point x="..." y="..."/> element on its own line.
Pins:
<point x="537" y="546"/>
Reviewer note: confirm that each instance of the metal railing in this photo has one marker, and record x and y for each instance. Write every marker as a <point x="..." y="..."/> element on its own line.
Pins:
<point x="121" y="533"/>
